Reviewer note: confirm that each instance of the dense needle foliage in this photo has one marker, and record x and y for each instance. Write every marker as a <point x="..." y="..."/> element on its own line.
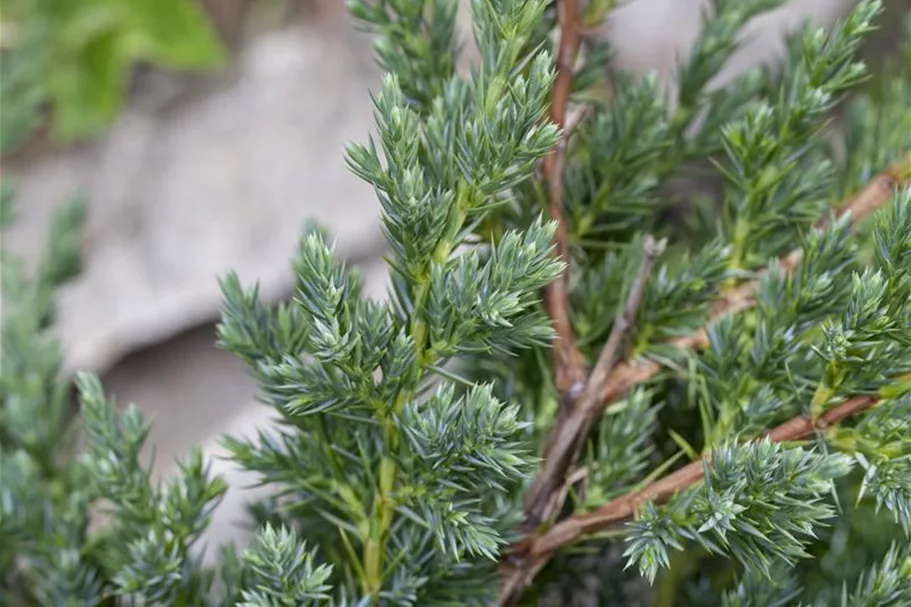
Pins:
<point x="751" y="442"/>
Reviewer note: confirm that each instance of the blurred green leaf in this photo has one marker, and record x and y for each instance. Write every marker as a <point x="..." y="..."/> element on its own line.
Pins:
<point x="76" y="57"/>
<point x="86" y="92"/>
<point x="174" y="33"/>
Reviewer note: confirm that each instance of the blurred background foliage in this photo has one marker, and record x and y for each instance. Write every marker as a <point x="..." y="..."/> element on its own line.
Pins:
<point x="66" y="63"/>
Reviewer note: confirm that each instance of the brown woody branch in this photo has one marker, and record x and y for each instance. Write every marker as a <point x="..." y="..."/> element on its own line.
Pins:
<point x="569" y="364"/>
<point x="543" y="496"/>
<point x="573" y="423"/>
<point x="877" y="193"/>
<point x="539" y="550"/>
<point x="871" y="197"/>
<point x="624" y="508"/>
<point x="630" y="373"/>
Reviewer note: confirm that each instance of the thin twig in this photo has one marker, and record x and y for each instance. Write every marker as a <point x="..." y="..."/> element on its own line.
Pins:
<point x="569" y="364"/>
<point x="573" y="119"/>
<point x="625" y="507"/>
<point x="567" y="442"/>
<point x="876" y="194"/>
<point x="871" y="197"/>
<point x="624" y="321"/>
<point x="544" y="502"/>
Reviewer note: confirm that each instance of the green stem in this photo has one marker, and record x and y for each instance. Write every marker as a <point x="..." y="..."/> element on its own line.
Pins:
<point x="384" y="505"/>
<point x="440" y="255"/>
<point x="821" y="397"/>
<point x="827" y="387"/>
<point x="741" y="233"/>
<point x="738" y="250"/>
<point x="418" y="324"/>
<point x="375" y="544"/>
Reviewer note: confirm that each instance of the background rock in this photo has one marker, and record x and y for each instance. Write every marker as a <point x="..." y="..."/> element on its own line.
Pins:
<point x="186" y="187"/>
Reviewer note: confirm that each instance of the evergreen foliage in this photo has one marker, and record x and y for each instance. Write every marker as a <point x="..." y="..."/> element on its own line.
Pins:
<point x="742" y="433"/>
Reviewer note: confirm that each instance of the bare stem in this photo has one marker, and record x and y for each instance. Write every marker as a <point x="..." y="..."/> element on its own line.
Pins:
<point x="569" y="364"/>
<point x="540" y="549"/>
<point x="547" y="495"/>
<point x="566" y="442"/>
<point x="623" y="508"/>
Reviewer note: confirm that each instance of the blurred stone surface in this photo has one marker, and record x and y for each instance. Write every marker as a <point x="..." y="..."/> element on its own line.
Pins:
<point x="204" y="175"/>
<point x="650" y="35"/>
<point x="180" y="193"/>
